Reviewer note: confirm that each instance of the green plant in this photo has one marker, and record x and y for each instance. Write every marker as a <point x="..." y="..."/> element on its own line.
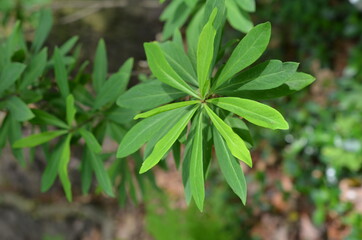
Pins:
<point x="179" y="11"/>
<point x="213" y="103"/>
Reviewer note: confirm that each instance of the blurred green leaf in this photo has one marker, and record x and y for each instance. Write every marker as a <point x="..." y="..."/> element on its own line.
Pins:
<point x="9" y="74"/>
<point x="114" y="86"/>
<point x="63" y="167"/>
<point x="100" y="66"/>
<point x="42" y="117"/>
<point x="19" y="109"/>
<point x="43" y="29"/>
<point x="61" y="75"/>
<point x="90" y="140"/>
<point x="101" y="174"/>
<point x="70" y="110"/>
<point x="37" y="139"/>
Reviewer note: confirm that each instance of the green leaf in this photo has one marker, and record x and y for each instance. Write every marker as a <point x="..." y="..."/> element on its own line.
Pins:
<point x="165" y="108"/>
<point x="35" y="69"/>
<point x="230" y="168"/>
<point x="86" y="172"/>
<point x="19" y="109"/>
<point x="100" y="66"/>
<point x="238" y="18"/>
<point x="179" y="61"/>
<point x="163" y="71"/>
<point x="299" y="81"/>
<point x="68" y="45"/>
<point x="14" y="134"/>
<point x="90" y="140"/>
<point x="205" y="54"/>
<point x="295" y="83"/>
<point x="37" y="139"/>
<point x="175" y="15"/>
<point x="9" y="74"/>
<point x="250" y="48"/>
<point x="149" y="95"/>
<point x="167" y="141"/>
<point x="140" y="133"/>
<point x="163" y="131"/>
<point x="257" y="113"/>
<point x="43" y="29"/>
<point x="61" y="75"/>
<point x="121" y="115"/>
<point x="241" y="129"/>
<point x="196" y="165"/>
<point x="101" y="174"/>
<point x="234" y="142"/>
<point x="247" y="5"/>
<point x="50" y="173"/>
<point x="263" y="76"/>
<point x="4" y="128"/>
<point x="42" y="117"/>
<point x="63" y="168"/>
<point x="70" y="110"/>
<point x="114" y="86"/>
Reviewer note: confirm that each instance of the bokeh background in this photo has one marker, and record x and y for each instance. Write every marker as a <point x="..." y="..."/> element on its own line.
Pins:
<point x="306" y="182"/>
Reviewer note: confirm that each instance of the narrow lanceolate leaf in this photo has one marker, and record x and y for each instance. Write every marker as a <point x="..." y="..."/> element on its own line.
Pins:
<point x="249" y="49"/>
<point x="101" y="173"/>
<point x="51" y="170"/>
<point x="37" y="139"/>
<point x="63" y="168"/>
<point x="165" y="108"/>
<point x="42" y="117"/>
<point x="86" y="172"/>
<point x="100" y="66"/>
<point x="43" y="30"/>
<point x="196" y="165"/>
<point x="167" y="141"/>
<point x="234" y="142"/>
<point x="140" y="133"/>
<point x="61" y="75"/>
<point x="148" y="95"/>
<point x="70" y="110"/>
<point x="205" y="54"/>
<point x="90" y="140"/>
<point x="9" y="74"/>
<point x="230" y="168"/>
<point x="35" y="69"/>
<point x="163" y="71"/>
<point x="114" y="86"/>
<point x="257" y="113"/>
<point x="19" y="109"/>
